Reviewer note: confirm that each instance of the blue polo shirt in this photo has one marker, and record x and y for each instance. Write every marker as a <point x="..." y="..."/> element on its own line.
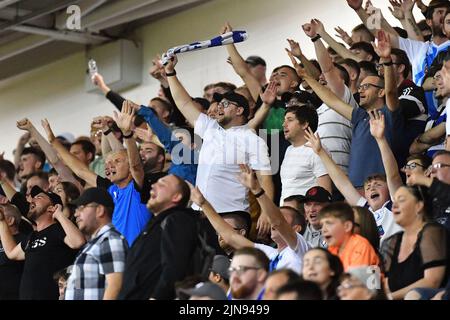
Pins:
<point x="365" y="156"/>
<point x="130" y="215"/>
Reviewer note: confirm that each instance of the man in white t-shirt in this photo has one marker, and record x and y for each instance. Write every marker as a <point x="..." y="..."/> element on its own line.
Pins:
<point x="301" y="168"/>
<point x="227" y="142"/>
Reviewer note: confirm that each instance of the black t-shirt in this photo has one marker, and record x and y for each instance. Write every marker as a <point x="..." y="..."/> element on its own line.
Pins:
<point x="45" y="253"/>
<point x="10" y="272"/>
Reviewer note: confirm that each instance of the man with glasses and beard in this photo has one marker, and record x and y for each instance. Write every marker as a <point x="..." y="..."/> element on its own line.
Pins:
<point x="248" y="272"/>
<point x="51" y="247"/>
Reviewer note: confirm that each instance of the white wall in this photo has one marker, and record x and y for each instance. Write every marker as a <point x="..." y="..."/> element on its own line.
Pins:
<point x="56" y="91"/>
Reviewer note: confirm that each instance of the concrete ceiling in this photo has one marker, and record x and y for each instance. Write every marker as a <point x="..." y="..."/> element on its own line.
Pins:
<point x="34" y="32"/>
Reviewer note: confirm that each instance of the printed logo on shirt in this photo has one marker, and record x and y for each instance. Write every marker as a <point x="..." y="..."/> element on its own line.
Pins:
<point x="380" y="231"/>
<point x="378" y="215"/>
<point x="38" y="243"/>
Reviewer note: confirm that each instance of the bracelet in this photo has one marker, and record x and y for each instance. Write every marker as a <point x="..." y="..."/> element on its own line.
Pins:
<point x="259" y="194"/>
<point x="317" y="37"/>
<point x="107" y="131"/>
<point x="388" y="64"/>
<point x="128" y="136"/>
<point x="171" y="74"/>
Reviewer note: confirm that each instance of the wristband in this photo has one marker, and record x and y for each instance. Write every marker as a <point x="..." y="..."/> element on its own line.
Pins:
<point x="171" y="74"/>
<point x="317" y="37"/>
<point x="259" y="194"/>
<point x="127" y="136"/>
<point x="107" y="131"/>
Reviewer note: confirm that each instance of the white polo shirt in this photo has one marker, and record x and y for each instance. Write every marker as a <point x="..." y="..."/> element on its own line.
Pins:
<point x="220" y="155"/>
<point x="289" y="259"/>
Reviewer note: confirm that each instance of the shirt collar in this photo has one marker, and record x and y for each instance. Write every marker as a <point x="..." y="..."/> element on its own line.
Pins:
<point x="102" y="230"/>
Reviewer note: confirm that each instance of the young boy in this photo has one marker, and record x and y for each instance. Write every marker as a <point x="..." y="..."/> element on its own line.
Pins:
<point x="337" y="229"/>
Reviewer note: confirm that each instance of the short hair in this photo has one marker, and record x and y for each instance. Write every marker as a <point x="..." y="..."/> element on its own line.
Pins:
<point x="402" y="58"/>
<point x="361" y="27"/>
<point x="368" y="67"/>
<point x="353" y="65"/>
<point x="297" y="78"/>
<point x="437" y="5"/>
<point x="299" y="219"/>
<point x="167" y="105"/>
<point x="375" y="176"/>
<point x="401" y="32"/>
<point x="40" y="174"/>
<point x="159" y="150"/>
<point x="422" y="24"/>
<point x="441" y="153"/>
<point x="52" y="172"/>
<point x="227" y="86"/>
<point x="344" y="73"/>
<point x="261" y="259"/>
<point x="71" y="191"/>
<point x="316" y="64"/>
<point x="37" y="153"/>
<point x="340" y="210"/>
<point x="289" y="273"/>
<point x="305" y="114"/>
<point x="63" y="273"/>
<point x="367" y="47"/>
<point x="185" y="191"/>
<point x="423" y="158"/>
<point x="8" y="168"/>
<point x="242" y="223"/>
<point x="86" y="145"/>
<point x="304" y="289"/>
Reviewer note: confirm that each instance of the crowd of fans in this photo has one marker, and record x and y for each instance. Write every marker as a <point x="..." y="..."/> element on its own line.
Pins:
<point x="328" y="181"/>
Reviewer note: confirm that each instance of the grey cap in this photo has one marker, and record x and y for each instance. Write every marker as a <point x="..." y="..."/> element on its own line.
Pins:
<point x="206" y="289"/>
<point x="220" y="266"/>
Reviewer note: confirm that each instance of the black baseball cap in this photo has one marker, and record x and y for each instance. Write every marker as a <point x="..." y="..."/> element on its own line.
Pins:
<point x="54" y="198"/>
<point x="255" y="60"/>
<point x="232" y="96"/>
<point x="317" y="194"/>
<point x="97" y="195"/>
<point x="220" y="265"/>
<point x="206" y="289"/>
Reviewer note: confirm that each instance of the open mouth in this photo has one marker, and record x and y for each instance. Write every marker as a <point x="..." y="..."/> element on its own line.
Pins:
<point x="375" y="196"/>
<point x="327" y="238"/>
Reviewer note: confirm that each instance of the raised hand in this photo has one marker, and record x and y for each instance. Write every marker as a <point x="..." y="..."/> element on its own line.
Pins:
<point x="407" y="5"/>
<point x="226" y="28"/>
<point x="300" y="70"/>
<point x="157" y="69"/>
<point x="309" y="29"/>
<point x="295" y="48"/>
<point x="383" y="48"/>
<point x="48" y="130"/>
<point x="171" y="63"/>
<point x="100" y="123"/>
<point x="248" y="178"/>
<point x="313" y="140"/>
<point x="24" y="124"/>
<point x="270" y="94"/>
<point x="58" y="212"/>
<point x="396" y="10"/>
<point x="25" y="138"/>
<point x="342" y="34"/>
<point x="197" y="197"/>
<point x="318" y="26"/>
<point x="377" y="124"/>
<point x="421" y="5"/>
<point x="146" y="135"/>
<point x="97" y="80"/>
<point x="124" y="119"/>
<point x="355" y="4"/>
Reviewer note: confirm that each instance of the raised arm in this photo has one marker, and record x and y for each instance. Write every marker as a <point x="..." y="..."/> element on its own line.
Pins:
<point x="50" y="153"/>
<point x="428" y="139"/>
<point x="339" y="178"/>
<point x="331" y="73"/>
<point x="325" y="94"/>
<point x="12" y="250"/>
<point x="248" y="179"/>
<point x="268" y="98"/>
<point x="124" y="121"/>
<point x="228" y="234"/>
<point x="78" y="167"/>
<point x="241" y="68"/>
<point x="74" y="238"/>
<point x="19" y="148"/>
<point x="383" y="49"/>
<point x="181" y="97"/>
<point x="402" y="10"/>
<point x="308" y="65"/>
<point x="377" y="127"/>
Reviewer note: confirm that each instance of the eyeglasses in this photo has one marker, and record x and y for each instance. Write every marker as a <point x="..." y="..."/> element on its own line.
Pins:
<point x="366" y="86"/>
<point x="241" y="270"/>
<point x="412" y="166"/>
<point x="380" y="65"/>
<point x="438" y="166"/>
<point x="225" y="103"/>
<point x="81" y="208"/>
